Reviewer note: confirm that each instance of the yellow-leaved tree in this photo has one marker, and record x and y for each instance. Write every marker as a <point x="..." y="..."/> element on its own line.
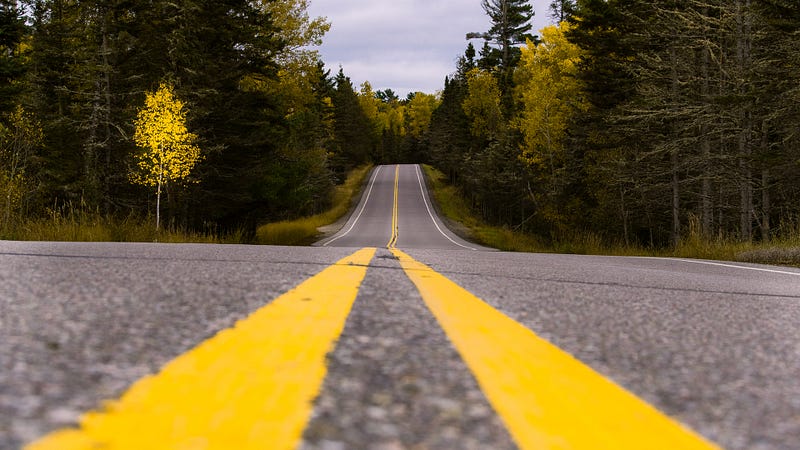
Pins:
<point x="419" y="112"/>
<point x="551" y="94"/>
<point x="482" y="105"/>
<point x="19" y="138"/>
<point x="168" y="148"/>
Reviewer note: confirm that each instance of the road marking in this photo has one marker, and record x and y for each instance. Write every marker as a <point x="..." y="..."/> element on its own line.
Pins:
<point x="363" y="206"/>
<point x="758" y="269"/>
<point x="546" y="397"/>
<point x="393" y="239"/>
<point x="426" y="201"/>
<point x="249" y="387"/>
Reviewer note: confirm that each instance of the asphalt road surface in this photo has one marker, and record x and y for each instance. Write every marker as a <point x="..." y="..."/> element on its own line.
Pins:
<point x="711" y="348"/>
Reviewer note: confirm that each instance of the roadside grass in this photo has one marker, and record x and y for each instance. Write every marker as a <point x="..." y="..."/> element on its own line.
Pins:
<point x="456" y="210"/>
<point x="70" y="223"/>
<point x="304" y="230"/>
<point x="784" y="250"/>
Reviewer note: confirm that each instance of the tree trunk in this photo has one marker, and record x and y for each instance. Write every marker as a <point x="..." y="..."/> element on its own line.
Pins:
<point x="158" y="195"/>
<point x="106" y="88"/>
<point x="675" y="233"/>
<point x="705" y="143"/>
<point x="765" y="206"/>
<point x="743" y="42"/>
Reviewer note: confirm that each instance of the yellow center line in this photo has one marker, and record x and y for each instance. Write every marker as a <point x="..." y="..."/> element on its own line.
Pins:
<point x="395" y="230"/>
<point x="250" y="386"/>
<point x="546" y="397"/>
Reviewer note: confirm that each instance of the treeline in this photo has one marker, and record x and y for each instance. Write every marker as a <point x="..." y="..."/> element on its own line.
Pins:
<point x="276" y="130"/>
<point x="638" y="121"/>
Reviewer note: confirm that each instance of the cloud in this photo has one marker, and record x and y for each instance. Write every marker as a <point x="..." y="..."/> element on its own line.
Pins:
<point x="405" y="45"/>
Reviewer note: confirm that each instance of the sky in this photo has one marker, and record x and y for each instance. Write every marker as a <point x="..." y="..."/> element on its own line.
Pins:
<point x="403" y="45"/>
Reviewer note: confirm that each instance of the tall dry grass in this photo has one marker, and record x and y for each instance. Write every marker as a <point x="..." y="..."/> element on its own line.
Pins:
<point x="71" y="223"/>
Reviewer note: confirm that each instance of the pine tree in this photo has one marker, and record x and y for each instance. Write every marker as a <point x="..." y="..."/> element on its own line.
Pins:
<point x="511" y="24"/>
<point x="12" y="67"/>
<point x="561" y="10"/>
<point x="353" y="132"/>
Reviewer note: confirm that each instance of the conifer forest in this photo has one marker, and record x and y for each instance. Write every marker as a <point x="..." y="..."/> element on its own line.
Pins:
<point x="641" y="122"/>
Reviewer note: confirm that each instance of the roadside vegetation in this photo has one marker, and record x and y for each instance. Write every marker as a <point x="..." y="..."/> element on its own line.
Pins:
<point x="604" y="134"/>
<point x="71" y="223"/>
<point x="617" y="130"/>
<point x="454" y="207"/>
<point x="304" y="230"/>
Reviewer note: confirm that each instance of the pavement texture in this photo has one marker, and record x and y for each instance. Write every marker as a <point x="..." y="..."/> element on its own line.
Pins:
<point x="714" y="345"/>
<point x="395" y="382"/>
<point x="80" y="322"/>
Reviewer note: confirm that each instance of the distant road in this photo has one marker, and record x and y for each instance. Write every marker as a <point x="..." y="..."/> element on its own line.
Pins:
<point x="433" y="342"/>
<point x="418" y="226"/>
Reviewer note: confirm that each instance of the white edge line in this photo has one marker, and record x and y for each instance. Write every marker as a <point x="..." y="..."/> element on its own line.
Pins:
<point x="426" y="200"/>
<point x="709" y="263"/>
<point x="363" y="206"/>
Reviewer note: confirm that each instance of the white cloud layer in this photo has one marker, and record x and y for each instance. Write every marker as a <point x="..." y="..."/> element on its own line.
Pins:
<point x="405" y="45"/>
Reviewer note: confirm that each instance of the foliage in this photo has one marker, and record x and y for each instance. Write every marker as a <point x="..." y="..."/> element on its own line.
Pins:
<point x="12" y="60"/>
<point x="510" y="26"/>
<point x="561" y="10"/>
<point x="19" y="141"/>
<point x="169" y="150"/>
<point x="482" y="105"/>
<point x="257" y="98"/>
<point x="640" y="123"/>
<point x="418" y="112"/>
<point x="305" y="230"/>
<point x="550" y="95"/>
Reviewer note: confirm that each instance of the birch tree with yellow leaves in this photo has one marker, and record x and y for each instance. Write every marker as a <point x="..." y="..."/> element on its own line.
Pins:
<point x="168" y="148"/>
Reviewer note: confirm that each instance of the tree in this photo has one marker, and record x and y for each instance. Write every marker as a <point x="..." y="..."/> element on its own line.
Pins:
<point x="418" y="113"/>
<point x="169" y="152"/>
<point x="12" y="33"/>
<point x="482" y="106"/>
<point x="561" y="10"/>
<point x="510" y="26"/>
<point x="387" y="96"/>
<point x="551" y="95"/>
<point x="353" y="132"/>
<point x="18" y="142"/>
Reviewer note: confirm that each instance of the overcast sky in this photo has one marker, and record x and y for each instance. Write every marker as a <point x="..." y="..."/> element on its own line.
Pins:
<point x="405" y="45"/>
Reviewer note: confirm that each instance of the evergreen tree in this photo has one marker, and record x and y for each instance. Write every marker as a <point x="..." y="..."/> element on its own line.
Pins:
<point x="354" y="141"/>
<point x="511" y="24"/>
<point x="12" y="67"/>
<point x="561" y="10"/>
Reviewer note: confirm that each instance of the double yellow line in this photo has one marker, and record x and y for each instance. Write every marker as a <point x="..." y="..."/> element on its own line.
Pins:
<point x="546" y="398"/>
<point x="252" y="386"/>
<point x="395" y="229"/>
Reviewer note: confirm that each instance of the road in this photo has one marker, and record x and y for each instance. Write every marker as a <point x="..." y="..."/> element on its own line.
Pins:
<point x="433" y="342"/>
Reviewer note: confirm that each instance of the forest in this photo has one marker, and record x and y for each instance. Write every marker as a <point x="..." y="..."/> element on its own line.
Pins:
<point x="273" y="131"/>
<point x="642" y="122"/>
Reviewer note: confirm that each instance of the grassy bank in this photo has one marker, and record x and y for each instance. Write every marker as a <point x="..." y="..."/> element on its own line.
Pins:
<point x="784" y="251"/>
<point x="304" y="231"/>
<point x="71" y="224"/>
